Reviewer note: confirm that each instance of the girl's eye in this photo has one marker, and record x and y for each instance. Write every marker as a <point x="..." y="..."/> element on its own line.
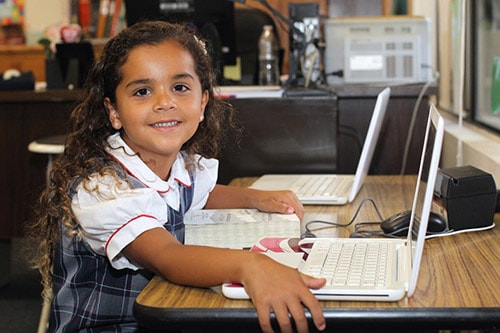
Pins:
<point x="142" y="92"/>
<point x="180" y="87"/>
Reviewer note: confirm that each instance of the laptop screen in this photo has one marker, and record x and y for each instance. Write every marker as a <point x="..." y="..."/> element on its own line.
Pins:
<point x="424" y="192"/>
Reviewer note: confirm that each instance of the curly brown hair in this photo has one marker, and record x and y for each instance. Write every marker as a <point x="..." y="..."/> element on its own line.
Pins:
<point x="85" y="147"/>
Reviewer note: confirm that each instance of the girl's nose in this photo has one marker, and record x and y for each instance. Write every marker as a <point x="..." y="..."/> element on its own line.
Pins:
<point x="164" y="102"/>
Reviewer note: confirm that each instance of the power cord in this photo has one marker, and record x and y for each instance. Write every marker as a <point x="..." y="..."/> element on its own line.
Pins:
<point x="339" y="73"/>
<point x="416" y="107"/>
<point x="450" y="232"/>
<point x="309" y="234"/>
<point x="359" y="232"/>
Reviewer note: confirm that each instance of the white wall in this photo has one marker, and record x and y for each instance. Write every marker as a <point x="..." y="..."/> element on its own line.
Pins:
<point x="480" y="147"/>
<point x="39" y="14"/>
<point x="467" y="144"/>
<point x="427" y="8"/>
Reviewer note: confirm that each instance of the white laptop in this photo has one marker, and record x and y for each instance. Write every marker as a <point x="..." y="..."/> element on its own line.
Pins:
<point x="332" y="189"/>
<point x="398" y="276"/>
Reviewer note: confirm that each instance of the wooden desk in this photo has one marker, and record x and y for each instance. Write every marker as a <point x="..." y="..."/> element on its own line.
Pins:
<point x="457" y="288"/>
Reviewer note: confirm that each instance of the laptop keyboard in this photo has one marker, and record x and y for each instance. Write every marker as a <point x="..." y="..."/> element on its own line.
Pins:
<point x="348" y="263"/>
<point x="322" y="185"/>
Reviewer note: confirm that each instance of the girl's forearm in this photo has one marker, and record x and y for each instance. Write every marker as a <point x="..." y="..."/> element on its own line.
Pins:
<point x="201" y="266"/>
<point x="223" y="196"/>
<point x="207" y="266"/>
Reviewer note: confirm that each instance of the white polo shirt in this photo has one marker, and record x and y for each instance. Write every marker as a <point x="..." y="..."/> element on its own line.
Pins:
<point x="114" y="216"/>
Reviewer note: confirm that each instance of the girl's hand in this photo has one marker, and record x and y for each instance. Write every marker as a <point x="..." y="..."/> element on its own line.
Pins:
<point x="284" y="202"/>
<point x="274" y="287"/>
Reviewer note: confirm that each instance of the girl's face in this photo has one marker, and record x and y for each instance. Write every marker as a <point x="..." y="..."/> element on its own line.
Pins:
<point x="159" y="103"/>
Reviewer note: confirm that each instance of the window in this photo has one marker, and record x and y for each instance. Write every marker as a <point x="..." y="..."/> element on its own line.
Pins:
<point x="486" y="63"/>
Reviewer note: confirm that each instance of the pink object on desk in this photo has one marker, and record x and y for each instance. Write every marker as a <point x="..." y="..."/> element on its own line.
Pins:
<point x="71" y="33"/>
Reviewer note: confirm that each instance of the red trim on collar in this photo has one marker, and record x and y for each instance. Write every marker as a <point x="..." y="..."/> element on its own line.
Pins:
<point x="180" y="182"/>
<point x="133" y="175"/>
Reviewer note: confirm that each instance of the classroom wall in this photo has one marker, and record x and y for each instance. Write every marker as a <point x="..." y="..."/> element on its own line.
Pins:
<point x="427" y="8"/>
<point x="477" y="147"/>
<point x="41" y="14"/>
<point x="467" y="144"/>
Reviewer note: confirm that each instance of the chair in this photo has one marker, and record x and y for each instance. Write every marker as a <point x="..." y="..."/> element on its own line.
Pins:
<point x="51" y="145"/>
<point x="249" y="22"/>
<point x="43" y="323"/>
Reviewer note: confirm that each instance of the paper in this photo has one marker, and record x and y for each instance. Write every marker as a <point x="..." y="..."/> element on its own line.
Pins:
<point x="237" y="228"/>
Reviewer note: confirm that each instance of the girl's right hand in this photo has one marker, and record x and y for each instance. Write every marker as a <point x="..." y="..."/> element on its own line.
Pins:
<point x="274" y="287"/>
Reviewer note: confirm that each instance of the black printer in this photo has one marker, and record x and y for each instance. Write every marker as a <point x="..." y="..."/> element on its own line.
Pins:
<point x="466" y="197"/>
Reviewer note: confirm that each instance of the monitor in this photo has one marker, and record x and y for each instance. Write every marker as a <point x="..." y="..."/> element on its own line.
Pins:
<point x="75" y="61"/>
<point x="213" y="18"/>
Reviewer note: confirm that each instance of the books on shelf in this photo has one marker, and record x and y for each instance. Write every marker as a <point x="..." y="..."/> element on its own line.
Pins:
<point x="99" y="18"/>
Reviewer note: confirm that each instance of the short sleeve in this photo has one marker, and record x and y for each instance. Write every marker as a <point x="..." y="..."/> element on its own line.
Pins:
<point x="112" y="215"/>
<point x="205" y="180"/>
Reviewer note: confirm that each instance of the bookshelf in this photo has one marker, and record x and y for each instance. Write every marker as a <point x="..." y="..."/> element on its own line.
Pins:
<point x="98" y="18"/>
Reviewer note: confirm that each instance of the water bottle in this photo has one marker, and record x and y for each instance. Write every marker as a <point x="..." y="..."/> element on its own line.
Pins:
<point x="268" y="57"/>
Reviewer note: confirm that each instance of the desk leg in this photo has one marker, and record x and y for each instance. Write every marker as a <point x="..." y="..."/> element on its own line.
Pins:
<point x="5" y="261"/>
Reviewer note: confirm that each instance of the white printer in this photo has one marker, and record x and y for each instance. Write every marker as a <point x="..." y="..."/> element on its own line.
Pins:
<point x="385" y="49"/>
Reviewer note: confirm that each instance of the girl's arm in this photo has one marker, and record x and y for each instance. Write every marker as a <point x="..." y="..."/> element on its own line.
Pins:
<point x="285" y="202"/>
<point x="272" y="287"/>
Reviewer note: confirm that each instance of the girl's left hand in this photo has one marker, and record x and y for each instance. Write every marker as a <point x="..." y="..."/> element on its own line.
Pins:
<point x="284" y="202"/>
<point x="226" y="197"/>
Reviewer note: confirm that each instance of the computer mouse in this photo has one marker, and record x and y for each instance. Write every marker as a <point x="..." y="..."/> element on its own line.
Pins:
<point x="436" y="224"/>
<point x="397" y="224"/>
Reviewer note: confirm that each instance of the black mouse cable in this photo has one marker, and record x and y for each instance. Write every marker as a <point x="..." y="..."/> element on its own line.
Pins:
<point x="310" y="234"/>
<point x="360" y="232"/>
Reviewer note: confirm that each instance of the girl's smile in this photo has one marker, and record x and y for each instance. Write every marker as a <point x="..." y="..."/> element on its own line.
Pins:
<point x="166" y="124"/>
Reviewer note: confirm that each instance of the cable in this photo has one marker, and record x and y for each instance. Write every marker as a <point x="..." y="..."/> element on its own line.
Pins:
<point x="339" y="73"/>
<point x="361" y="232"/>
<point x="413" y="119"/>
<point x="366" y="233"/>
<point x="309" y="233"/>
<point x="455" y="232"/>
<point x="459" y="100"/>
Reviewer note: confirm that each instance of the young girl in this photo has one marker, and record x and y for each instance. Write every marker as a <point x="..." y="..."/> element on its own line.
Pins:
<point x="140" y="154"/>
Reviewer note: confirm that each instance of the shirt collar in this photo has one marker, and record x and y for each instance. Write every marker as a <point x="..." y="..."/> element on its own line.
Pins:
<point x="138" y="169"/>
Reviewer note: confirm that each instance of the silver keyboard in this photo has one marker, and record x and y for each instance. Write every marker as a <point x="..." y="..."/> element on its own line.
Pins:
<point x="322" y="185"/>
<point x="348" y="263"/>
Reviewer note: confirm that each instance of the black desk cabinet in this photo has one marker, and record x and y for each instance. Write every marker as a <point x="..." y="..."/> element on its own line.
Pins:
<point x="324" y="134"/>
<point x="282" y="135"/>
<point x="355" y="108"/>
<point x="26" y="116"/>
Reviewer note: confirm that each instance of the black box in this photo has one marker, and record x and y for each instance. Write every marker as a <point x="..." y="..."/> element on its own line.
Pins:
<point x="25" y="81"/>
<point x="465" y="197"/>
